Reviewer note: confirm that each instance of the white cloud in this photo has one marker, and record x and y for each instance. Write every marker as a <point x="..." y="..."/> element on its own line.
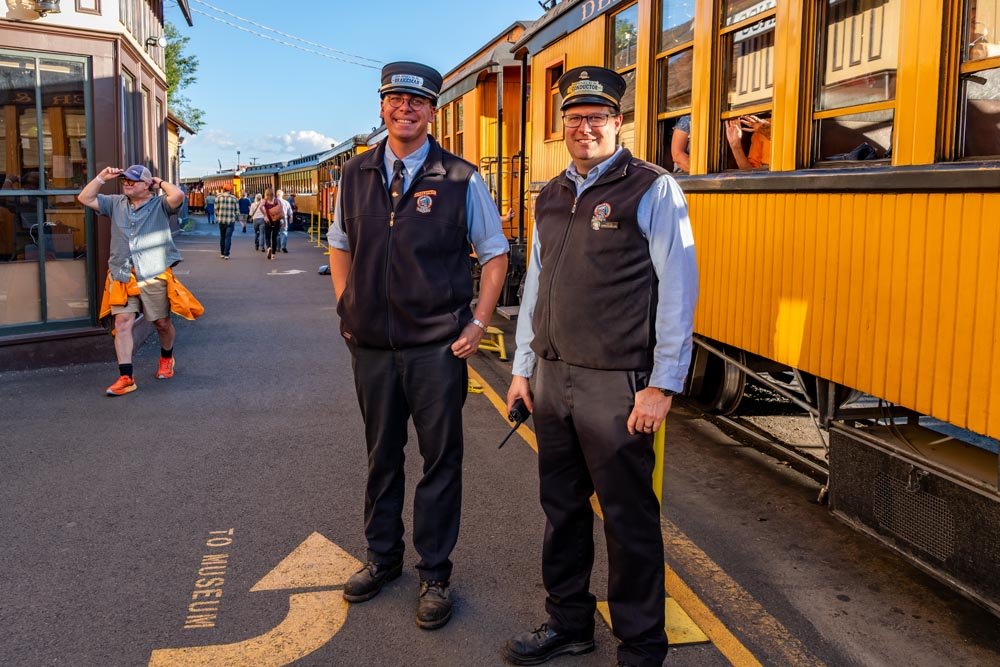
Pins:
<point x="208" y="148"/>
<point x="291" y="144"/>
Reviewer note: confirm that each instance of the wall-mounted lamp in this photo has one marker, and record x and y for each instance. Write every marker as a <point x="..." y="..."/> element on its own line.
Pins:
<point x="44" y="7"/>
<point x="160" y="41"/>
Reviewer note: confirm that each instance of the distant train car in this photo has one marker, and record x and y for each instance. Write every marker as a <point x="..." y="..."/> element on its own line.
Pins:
<point x="330" y="170"/>
<point x="260" y="177"/>
<point x="840" y="180"/>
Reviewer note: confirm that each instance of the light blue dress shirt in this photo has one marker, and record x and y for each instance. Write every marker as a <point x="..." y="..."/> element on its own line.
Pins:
<point x="485" y="232"/>
<point x="664" y="223"/>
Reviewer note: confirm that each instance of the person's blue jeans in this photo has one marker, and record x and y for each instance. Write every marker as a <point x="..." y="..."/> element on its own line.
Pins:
<point x="259" y="234"/>
<point x="283" y="240"/>
<point x="226" y="237"/>
<point x="210" y="213"/>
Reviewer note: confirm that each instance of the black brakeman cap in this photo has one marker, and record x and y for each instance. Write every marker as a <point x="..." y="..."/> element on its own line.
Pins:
<point x="591" y="85"/>
<point x="412" y="78"/>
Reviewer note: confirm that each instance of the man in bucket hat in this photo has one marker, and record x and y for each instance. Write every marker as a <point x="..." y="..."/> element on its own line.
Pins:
<point x="407" y="217"/>
<point x="608" y="317"/>
<point x="142" y="249"/>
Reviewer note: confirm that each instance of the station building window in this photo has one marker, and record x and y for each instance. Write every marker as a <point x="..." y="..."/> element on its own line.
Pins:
<point x="979" y="82"/>
<point x="44" y="156"/>
<point x="553" y="100"/>
<point x="130" y="119"/>
<point x="623" y="56"/>
<point x="747" y="38"/>
<point x="855" y="93"/>
<point x="674" y="60"/>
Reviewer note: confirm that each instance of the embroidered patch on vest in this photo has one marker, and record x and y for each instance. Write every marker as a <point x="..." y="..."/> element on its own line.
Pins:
<point x="424" y="203"/>
<point x="600" y="219"/>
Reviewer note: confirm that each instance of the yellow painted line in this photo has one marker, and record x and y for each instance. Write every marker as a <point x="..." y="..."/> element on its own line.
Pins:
<point x="316" y="563"/>
<point x="763" y="624"/>
<point x="313" y="619"/>
<point x="681" y="629"/>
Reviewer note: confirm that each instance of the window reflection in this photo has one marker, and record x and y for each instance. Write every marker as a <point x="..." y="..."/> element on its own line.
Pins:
<point x="984" y="27"/>
<point x="64" y="124"/>
<point x="627" y="134"/>
<point x="751" y="65"/>
<point x="860" y="54"/>
<point x="675" y="82"/>
<point x="625" y="35"/>
<point x="677" y="23"/>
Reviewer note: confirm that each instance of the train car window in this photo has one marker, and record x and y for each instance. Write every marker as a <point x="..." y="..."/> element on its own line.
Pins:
<point x="459" y="127"/>
<point x="446" y="129"/>
<point x="737" y="11"/>
<point x="553" y="116"/>
<point x="623" y="54"/>
<point x="979" y="82"/>
<point x="674" y="59"/>
<point x="676" y="23"/>
<point x="748" y="48"/>
<point x="856" y="86"/>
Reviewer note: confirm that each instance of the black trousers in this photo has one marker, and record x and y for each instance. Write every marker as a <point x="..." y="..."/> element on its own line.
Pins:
<point x="429" y="384"/>
<point x="271" y="234"/>
<point x="583" y="445"/>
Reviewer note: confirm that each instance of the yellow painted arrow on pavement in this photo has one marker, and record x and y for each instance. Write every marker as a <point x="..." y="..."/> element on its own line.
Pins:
<point x="313" y="618"/>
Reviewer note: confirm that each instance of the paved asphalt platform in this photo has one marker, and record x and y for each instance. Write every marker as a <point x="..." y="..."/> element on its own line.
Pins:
<point x="211" y="519"/>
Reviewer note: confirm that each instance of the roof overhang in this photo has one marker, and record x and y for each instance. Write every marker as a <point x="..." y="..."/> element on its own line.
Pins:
<point x="171" y="118"/>
<point x="471" y="72"/>
<point x="561" y="20"/>
<point x="186" y="11"/>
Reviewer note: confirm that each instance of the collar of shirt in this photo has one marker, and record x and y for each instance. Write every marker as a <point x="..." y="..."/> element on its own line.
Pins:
<point x="584" y="182"/>
<point x="411" y="163"/>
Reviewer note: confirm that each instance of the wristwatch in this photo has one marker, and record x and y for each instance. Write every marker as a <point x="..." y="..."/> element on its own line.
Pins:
<point x="479" y="323"/>
<point x="668" y="392"/>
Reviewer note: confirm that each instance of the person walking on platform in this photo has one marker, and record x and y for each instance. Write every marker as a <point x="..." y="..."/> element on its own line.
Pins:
<point x="244" y="211"/>
<point x="142" y="254"/>
<point x="210" y="207"/>
<point x="607" y="313"/>
<point x="274" y="215"/>
<point x="286" y="206"/>
<point x="259" y="229"/>
<point x="227" y="209"/>
<point x="406" y="218"/>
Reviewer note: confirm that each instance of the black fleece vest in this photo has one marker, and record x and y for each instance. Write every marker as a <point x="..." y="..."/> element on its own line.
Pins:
<point x="411" y="275"/>
<point x="597" y="289"/>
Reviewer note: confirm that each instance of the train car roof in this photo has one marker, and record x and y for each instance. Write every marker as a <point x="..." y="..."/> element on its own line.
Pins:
<point x="263" y="169"/>
<point x="559" y="22"/>
<point x="377" y="135"/>
<point x="463" y="79"/>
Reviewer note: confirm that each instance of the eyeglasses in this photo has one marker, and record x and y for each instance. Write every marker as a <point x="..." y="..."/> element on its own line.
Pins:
<point x="594" y="119"/>
<point x="129" y="181"/>
<point x="416" y="103"/>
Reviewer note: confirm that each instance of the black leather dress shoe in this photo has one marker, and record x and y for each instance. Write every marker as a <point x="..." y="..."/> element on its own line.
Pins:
<point x="543" y="644"/>
<point x="434" y="605"/>
<point x="368" y="581"/>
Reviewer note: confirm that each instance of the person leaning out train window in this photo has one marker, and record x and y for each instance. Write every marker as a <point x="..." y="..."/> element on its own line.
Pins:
<point x="760" y="141"/>
<point x="680" y="145"/>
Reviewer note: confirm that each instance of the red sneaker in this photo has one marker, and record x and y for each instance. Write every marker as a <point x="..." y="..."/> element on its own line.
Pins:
<point x="166" y="369"/>
<point x="122" y="386"/>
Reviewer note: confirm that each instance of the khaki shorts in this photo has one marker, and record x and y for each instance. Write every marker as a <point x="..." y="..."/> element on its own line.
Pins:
<point x="152" y="301"/>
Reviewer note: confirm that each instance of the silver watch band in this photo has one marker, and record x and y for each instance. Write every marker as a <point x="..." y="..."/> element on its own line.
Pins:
<point x="479" y="323"/>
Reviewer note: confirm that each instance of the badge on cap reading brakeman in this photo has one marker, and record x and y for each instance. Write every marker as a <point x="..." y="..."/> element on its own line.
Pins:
<point x="408" y="79"/>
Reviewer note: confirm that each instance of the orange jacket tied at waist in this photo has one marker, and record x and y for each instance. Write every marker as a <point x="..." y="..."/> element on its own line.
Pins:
<point x="182" y="302"/>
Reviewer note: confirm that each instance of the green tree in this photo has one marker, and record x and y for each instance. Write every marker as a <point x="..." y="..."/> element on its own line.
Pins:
<point x="181" y="72"/>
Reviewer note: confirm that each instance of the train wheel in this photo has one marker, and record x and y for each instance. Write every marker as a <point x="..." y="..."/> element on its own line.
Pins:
<point x="807" y="382"/>
<point x="716" y="385"/>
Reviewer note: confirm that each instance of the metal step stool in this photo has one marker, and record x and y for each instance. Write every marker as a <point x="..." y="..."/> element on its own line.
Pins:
<point x="492" y="341"/>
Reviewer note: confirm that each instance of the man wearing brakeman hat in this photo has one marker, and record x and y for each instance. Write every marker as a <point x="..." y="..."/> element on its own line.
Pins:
<point x="607" y="315"/>
<point x="407" y="216"/>
<point x="142" y="247"/>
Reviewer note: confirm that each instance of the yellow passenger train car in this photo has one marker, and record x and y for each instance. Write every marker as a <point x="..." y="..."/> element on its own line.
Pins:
<point x="841" y="159"/>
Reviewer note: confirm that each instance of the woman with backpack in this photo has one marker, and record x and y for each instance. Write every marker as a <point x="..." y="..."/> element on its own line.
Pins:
<point x="259" y="229"/>
<point x="274" y="213"/>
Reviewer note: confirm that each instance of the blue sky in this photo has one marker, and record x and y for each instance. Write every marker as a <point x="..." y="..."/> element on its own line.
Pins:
<point x="273" y="102"/>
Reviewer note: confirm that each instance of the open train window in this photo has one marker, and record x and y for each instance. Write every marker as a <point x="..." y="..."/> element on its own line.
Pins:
<point x="748" y="48"/>
<point x="979" y="82"/>
<point x="674" y="60"/>
<point x="855" y="93"/>
<point x="623" y="55"/>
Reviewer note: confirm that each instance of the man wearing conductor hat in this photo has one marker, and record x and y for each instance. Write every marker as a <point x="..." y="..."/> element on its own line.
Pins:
<point x="407" y="217"/>
<point x="605" y="330"/>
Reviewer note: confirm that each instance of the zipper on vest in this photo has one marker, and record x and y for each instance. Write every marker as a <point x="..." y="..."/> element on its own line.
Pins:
<point x="555" y="272"/>
<point x="388" y="257"/>
<point x="392" y="218"/>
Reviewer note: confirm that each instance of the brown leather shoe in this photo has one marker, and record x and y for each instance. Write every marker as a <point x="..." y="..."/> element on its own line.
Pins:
<point x="368" y="581"/>
<point x="434" y="605"/>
